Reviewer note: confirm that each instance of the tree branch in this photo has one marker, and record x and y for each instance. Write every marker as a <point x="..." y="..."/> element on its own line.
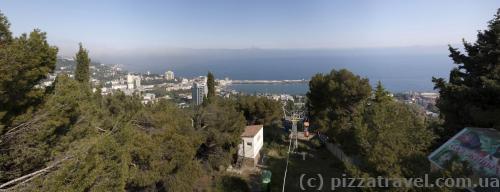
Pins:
<point x="30" y="176"/>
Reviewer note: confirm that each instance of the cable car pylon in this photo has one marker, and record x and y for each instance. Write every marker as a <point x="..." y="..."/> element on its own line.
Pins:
<point x="294" y="117"/>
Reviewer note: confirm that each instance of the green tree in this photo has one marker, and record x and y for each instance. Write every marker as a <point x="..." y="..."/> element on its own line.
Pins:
<point x="260" y="110"/>
<point x="388" y="134"/>
<point x="64" y="138"/>
<point x="391" y="140"/>
<point x="24" y="61"/>
<point x="211" y="87"/>
<point x="5" y="34"/>
<point x="471" y="95"/>
<point x="43" y="134"/>
<point x="265" y="111"/>
<point x="82" y="73"/>
<point x="381" y="95"/>
<point x="222" y="126"/>
<point x="334" y="99"/>
<point x="114" y="146"/>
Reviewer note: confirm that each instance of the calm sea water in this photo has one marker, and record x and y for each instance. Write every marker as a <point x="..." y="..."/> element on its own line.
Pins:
<point x="399" y="69"/>
<point x="294" y="89"/>
<point x="394" y="85"/>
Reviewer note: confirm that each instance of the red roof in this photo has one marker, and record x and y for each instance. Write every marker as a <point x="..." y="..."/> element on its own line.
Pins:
<point x="251" y="130"/>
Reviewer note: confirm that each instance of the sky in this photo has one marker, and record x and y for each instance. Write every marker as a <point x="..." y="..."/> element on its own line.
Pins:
<point x="128" y="26"/>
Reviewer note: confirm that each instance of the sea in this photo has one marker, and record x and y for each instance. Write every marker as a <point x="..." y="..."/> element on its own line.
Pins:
<point x="399" y="69"/>
<point x="292" y="89"/>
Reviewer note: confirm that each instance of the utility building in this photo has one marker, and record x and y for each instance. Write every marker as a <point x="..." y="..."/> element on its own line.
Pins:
<point x="252" y="141"/>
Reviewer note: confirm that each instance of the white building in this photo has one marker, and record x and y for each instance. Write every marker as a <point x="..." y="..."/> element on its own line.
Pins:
<point x="198" y="92"/>
<point x="184" y="81"/>
<point x="169" y="75"/>
<point x="148" y="98"/>
<point x="119" y="86"/>
<point x="252" y="141"/>
<point x="148" y="87"/>
<point x="133" y="81"/>
<point x="224" y="82"/>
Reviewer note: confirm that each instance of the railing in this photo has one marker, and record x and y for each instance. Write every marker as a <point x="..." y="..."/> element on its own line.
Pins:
<point x="337" y="152"/>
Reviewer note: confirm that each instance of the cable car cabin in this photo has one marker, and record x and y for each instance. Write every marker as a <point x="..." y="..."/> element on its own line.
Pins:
<point x="306" y="129"/>
<point x="252" y="141"/>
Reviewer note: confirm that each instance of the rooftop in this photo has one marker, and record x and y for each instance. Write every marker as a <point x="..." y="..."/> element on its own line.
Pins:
<point x="251" y="130"/>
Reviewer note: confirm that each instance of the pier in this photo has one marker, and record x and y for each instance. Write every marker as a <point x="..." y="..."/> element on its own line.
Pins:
<point x="269" y="81"/>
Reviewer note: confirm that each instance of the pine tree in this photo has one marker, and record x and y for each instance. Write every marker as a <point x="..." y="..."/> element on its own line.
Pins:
<point x="24" y="62"/>
<point x="471" y="97"/>
<point x="82" y="73"/>
<point x="64" y="138"/>
<point x="381" y="95"/>
<point x="333" y="100"/>
<point x="222" y="126"/>
<point x="5" y="34"/>
<point x="389" y="134"/>
<point x="259" y="110"/>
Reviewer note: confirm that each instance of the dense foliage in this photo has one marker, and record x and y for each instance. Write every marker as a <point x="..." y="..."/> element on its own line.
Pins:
<point x="5" y="34"/>
<point x="264" y="111"/>
<point x="383" y="136"/>
<point x="471" y="96"/>
<point x="390" y="136"/>
<point x="68" y="138"/>
<point x="260" y="110"/>
<point x="221" y="125"/>
<point x="333" y="100"/>
<point x="108" y="144"/>
<point x="24" y="61"/>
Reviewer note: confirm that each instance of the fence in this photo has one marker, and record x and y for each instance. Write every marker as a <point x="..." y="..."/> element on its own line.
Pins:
<point x="337" y="152"/>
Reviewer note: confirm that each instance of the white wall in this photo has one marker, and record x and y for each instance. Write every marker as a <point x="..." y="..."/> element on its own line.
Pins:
<point x="251" y="151"/>
<point x="248" y="149"/>
<point x="258" y="142"/>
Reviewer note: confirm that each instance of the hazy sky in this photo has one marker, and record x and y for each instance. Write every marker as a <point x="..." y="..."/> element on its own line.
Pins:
<point x="107" y="26"/>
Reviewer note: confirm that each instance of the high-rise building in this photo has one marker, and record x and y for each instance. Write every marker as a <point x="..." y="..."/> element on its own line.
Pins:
<point x="133" y="81"/>
<point x="198" y="91"/>
<point x="169" y="75"/>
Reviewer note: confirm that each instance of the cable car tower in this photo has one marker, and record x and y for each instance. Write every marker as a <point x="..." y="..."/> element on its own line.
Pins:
<point x="297" y="114"/>
<point x="294" y="117"/>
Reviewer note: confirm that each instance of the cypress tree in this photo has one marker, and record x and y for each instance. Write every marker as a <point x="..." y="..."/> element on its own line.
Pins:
<point x="211" y="86"/>
<point x="82" y="73"/>
<point x="381" y="95"/>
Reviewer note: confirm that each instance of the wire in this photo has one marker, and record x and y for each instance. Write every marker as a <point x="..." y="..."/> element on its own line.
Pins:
<point x="293" y="115"/>
<point x="286" y="168"/>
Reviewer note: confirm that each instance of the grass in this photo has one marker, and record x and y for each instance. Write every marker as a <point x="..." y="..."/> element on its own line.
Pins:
<point x="232" y="183"/>
<point x="318" y="161"/>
